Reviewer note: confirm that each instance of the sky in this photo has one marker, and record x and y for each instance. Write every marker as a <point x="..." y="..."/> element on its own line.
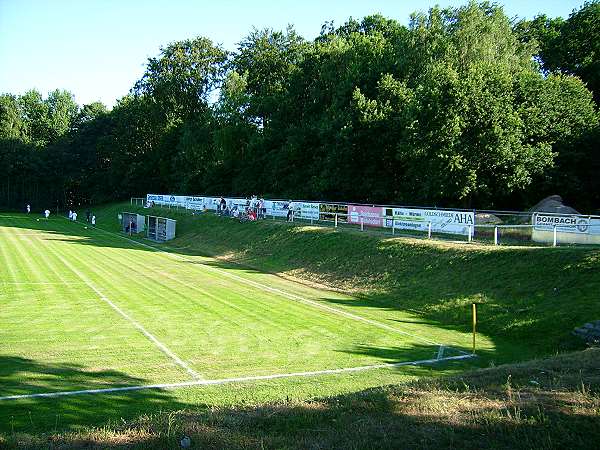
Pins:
<point x="97" y="49"/>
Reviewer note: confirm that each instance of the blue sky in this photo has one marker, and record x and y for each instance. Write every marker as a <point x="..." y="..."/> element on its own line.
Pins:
<point x="97" y="48"/>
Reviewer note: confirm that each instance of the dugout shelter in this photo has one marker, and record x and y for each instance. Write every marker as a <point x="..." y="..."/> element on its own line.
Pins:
<point x="161" y="228"/>
<point x="132" y="223"/>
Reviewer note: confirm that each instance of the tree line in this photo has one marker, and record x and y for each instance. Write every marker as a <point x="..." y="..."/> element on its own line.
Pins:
<point x="462" y="107"/>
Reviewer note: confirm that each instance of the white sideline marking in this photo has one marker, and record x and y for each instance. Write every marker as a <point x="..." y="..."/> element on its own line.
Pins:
<point x="284" y="293"/>
<point x="234" y="380"/>
<point x="136" y="324"/>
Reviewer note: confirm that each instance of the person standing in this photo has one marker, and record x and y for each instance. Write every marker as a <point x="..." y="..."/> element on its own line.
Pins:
<point x="88" y="215"/>
<point x="47" y="213"/>
<point x="74" y="216"/>
<point x="93" y="220"/>
<point x="290" y="213"/>
<point x="28" y="208"/>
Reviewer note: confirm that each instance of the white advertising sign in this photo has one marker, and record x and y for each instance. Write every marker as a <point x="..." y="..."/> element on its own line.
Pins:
<point x="277" y="208"/>
<point x="442" y="221"/>
<point x="240" y="202"/>
<point x="306" y="210"/>
<point x="166" y="199"/>
<point x="195" y="203"/>
<point x="565" y="224"/>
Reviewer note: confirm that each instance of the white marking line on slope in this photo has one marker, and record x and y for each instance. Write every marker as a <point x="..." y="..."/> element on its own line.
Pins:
<point x="287" y="294"/>
<point x="136" y="324"/>
<point x="235" y="380"/>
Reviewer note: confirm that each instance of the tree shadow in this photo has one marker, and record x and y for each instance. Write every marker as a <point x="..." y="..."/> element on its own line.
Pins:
<point x="435" y="415"/>
<point x="26" y="376"/>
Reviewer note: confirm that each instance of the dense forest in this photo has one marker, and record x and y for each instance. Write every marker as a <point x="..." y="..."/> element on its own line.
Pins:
<point x="461" y="107"/>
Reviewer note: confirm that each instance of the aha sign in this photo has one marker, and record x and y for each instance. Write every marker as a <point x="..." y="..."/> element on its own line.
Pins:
<point x="442" y="221"/>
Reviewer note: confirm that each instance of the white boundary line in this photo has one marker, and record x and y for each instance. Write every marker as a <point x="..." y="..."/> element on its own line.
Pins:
<point x="162" y="347"/>
<point x="284" y="293"/>
<point x="233" y="380"/>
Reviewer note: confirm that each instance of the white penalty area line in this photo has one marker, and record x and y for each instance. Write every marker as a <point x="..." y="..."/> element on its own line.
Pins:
<point x="162" y="347"/>
<point x="235" y="380"/>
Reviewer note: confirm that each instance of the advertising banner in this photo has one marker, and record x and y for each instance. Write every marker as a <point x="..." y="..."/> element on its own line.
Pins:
<point x="565" y="224"/>
<point x="194" y="203"/>
<point x="211" y="202"/>
<point x="368" y="215"/>
<point x="442" y="221"/>
<point x="162" y="199"/>
<point x="329" y="210"/>
<point x="240" y="202"/>
<point x="277" y="208"/>
<point x="306" y="210"/>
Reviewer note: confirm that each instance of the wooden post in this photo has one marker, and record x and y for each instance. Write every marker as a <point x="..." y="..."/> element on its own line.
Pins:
<point x="474" y="313"/>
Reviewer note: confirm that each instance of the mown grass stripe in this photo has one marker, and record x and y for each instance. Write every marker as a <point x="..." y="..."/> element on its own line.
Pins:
<point x="284" y="293"/>
<point x="136" y="324"/>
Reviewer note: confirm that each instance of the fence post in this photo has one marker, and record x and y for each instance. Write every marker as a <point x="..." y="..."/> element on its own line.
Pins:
<point x="335" y="225"/>
<point x="429" y="230"/>
<point x="495" y="235"/>
<point x="362" y="224"/>
<point x="554" y="237"/>
<point x="470" y="233"/>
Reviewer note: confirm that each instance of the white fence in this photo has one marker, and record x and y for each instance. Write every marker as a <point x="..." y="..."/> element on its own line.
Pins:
<point x="497" y="227"/>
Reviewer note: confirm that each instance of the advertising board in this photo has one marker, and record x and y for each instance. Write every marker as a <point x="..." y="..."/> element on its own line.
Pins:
<point x="564" y="224"/>
<point x="328" y="211"/>
<point x="442" y="221"/>
<point x="368" y="215"/>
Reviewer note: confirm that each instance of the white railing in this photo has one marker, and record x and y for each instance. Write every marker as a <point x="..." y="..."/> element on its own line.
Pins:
<point x="483" y="226"/>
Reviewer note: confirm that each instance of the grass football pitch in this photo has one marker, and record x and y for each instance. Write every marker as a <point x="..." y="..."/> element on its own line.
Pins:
<point x="85" y="309"/>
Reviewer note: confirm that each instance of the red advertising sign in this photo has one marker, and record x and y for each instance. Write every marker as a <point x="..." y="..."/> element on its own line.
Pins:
<point x="369" y="215"/>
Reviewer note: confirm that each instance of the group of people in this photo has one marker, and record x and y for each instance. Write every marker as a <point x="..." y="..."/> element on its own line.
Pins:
<point x="89" y="217"/>
<point x="253" y="209"/>
<point x="46" y="212"/>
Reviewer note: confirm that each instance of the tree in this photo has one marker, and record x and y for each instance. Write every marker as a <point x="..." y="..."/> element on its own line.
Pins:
<point x="569" y="46"/>
<point x="182" y="79"/>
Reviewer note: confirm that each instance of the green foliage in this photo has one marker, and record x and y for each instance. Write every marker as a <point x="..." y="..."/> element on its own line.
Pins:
<point x="462" y="107"/>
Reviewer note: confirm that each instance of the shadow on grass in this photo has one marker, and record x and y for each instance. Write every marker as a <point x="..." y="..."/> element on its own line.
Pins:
<point x="480" y="413"/>
<point x="26" y="376"/>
